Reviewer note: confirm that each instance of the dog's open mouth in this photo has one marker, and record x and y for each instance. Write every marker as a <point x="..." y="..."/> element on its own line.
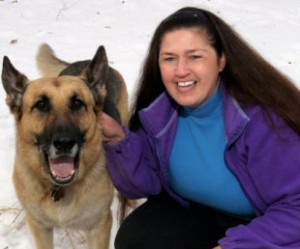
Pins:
<point x="62" y="169"/>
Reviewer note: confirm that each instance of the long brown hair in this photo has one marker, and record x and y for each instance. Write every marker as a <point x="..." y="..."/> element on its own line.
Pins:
<point x="248" y="76"/>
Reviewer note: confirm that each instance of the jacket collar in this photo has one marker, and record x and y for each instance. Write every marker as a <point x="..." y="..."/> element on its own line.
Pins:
<point x="158" y="117"/>
<point x="235" y="118"/>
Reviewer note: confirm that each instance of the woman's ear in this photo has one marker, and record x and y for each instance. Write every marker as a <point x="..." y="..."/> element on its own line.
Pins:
<point x="222" y="62"/>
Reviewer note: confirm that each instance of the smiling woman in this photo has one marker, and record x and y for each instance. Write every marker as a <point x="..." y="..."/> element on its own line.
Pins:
<point x="213" y="143"/>
<point x="190" y="67"/>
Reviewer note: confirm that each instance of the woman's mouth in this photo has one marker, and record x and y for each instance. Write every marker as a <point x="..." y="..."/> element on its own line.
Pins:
<point x="186" y="84"/>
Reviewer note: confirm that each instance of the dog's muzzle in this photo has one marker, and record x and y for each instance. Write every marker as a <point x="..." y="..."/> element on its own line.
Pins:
<point x="63" y="158"/>
<point x="62" y="152"/>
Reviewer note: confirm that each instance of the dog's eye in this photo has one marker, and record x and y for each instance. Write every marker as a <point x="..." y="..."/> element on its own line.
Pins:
<point x="42" y="105"/>
<point x="76" y="104"/>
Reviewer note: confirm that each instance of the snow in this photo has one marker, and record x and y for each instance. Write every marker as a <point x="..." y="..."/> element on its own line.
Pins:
<point x="75" y="28"/>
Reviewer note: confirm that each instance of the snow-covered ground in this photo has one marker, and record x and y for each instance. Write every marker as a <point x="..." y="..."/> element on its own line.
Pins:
<point x="75" y="28"/>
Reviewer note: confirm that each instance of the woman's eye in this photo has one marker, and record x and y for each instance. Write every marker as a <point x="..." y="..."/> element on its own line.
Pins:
<point x="169" y="59"/>
<point x="196" y="57"/>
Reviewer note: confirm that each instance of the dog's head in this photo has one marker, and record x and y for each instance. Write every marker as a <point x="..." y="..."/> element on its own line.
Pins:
<point x="57" y="118"/>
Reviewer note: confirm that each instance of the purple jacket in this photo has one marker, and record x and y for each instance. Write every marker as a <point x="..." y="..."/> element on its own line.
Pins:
<point x="266" y="163"/>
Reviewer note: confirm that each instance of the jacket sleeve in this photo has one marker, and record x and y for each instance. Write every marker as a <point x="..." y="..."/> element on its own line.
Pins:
<point x="271" y="161"/>
<point x="132" y="165"/>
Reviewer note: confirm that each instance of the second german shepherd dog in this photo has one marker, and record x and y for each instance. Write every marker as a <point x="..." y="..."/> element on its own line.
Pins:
<point x="60" y="172"/>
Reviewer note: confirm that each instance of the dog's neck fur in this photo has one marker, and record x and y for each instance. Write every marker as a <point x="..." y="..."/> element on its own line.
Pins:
<point x="57" y="193"/>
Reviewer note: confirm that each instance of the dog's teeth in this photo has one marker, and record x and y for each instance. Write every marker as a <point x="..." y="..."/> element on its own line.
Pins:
<point x="63" y="178"/>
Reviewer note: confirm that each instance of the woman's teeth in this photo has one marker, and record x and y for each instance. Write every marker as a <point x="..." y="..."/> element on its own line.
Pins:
<point x="186" y="83"/>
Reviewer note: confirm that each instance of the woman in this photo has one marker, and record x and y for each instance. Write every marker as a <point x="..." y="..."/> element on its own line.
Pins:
<point x="213" y="144"/>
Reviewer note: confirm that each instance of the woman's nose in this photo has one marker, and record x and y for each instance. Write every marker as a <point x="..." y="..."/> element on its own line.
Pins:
<point x="182" y="68"/>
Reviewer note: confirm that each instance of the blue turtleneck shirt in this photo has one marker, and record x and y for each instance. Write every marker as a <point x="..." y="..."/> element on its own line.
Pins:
<point x="198" y="170"/>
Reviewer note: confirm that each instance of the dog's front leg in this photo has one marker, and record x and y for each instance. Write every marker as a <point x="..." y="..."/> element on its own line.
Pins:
<point x="99" y="236"/>
<point x="43" y="236"/>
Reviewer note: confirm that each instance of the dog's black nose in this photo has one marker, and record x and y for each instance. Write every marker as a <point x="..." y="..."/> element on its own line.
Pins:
<point x="64" y="144"/>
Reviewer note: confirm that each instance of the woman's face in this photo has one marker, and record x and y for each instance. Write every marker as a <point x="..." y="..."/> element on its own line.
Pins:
<point x="189" y="66"/>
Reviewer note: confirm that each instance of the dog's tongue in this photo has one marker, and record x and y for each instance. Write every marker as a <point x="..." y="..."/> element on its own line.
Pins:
<point x="62" y="166"/>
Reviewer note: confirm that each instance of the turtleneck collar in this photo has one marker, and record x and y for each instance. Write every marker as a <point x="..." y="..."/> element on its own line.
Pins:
<point x="207" y="109"/>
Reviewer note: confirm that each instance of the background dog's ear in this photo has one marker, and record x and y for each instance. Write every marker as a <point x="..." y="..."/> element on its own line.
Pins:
<point x="97" y="75"/>
<point x="14" y="84"/>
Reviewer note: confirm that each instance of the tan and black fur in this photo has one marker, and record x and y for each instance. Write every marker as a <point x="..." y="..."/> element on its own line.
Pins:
<point x="60" y="172"/>
<point x="116" y="100"/>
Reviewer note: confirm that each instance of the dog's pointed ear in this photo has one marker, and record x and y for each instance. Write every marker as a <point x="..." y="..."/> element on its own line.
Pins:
<point x="14" y="84"/>
<point x="99" y="66"/>
<point x="97" y="74"/>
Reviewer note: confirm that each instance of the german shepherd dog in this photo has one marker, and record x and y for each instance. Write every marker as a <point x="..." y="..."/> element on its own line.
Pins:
<point x="60" y="172"/>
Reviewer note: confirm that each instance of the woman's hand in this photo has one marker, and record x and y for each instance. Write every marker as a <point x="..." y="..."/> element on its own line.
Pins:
<point x="112" y="131"/>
